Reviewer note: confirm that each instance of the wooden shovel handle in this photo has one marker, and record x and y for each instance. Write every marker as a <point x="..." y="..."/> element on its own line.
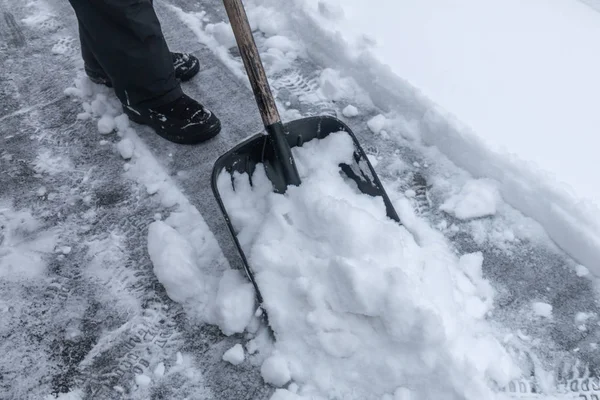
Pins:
<point x="252" y="62"/>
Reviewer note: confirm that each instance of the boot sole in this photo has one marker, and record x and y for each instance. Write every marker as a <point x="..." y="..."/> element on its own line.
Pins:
<point x="186" y="138"/>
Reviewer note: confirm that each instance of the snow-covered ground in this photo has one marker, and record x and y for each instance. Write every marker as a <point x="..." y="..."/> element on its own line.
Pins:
<point x="511" y="92"/>
<point x="119" y="279"/>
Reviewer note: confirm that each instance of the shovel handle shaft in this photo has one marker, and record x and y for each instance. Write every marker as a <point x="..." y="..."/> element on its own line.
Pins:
<point x="252" y="62"/>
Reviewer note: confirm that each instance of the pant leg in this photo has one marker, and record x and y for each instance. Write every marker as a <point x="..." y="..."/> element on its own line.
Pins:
<point x="88" y="56"/>
<point x="125" y="38"/>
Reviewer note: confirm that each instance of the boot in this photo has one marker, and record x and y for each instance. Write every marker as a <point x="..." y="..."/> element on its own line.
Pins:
<point x="183" y="121"/>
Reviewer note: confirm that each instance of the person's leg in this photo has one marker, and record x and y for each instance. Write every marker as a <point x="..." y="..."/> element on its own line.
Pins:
<point x="186" y="65"/>
<point x="125" y="40"/>
<point x="92" y="67"/>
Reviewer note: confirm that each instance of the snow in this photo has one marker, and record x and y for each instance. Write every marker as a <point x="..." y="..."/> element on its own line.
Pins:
<point x="358" y="307"/>
<point x="126" y="148"/>
<point x="477" y="198"/>
<point x="275" y="371"/>
<point x="174" y="261"/>
<point x="283" y="394"/>
<point x="142" y="380"/>
<point x="495" y="103"/>
<point x="73" y="395"/>
<point x="234" y="355"/>
<point x="377" y="123"/>
<point x="235" y="302"/>
<point x="350" y="111"/>
<point x="401" y="316"/>
<point x="503" y="84"/>
<point x="24" y="243"/>
<point x="51" y="164"/>
<point x="106" y="124"/>
<point x="223" y="33"/>
<point x="185" y="256"/>
<point x="542" y="309"/>
<point x="159" y="370"/>
<point x="582" y="271"/>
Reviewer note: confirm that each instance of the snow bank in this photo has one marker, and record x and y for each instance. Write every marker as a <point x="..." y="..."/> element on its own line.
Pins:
<point x="358" y="308"/>
<point x="526" y="98"/>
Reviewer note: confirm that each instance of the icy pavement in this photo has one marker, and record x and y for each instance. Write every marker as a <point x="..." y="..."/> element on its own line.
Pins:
<point x="86" y="307"/>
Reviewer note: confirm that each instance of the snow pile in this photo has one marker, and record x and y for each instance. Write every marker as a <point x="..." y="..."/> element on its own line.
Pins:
<point x="358" y="308"/>
<point x="519" y="125"/>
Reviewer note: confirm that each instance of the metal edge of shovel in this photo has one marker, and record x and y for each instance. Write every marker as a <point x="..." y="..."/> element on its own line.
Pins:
<point x="273" y="149"/>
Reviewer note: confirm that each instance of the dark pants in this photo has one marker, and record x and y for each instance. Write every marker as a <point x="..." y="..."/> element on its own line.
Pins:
<point x="123" y="40"/>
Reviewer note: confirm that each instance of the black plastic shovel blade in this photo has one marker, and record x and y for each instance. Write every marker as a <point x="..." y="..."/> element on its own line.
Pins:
<point x="257" y="150"/>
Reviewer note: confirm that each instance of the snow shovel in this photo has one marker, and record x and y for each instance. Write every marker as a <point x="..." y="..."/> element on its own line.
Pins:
<point x="273" y="147"/>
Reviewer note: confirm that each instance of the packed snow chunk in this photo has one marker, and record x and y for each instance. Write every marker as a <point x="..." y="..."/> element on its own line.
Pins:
<point x="126" y="148"/>
<point x="235" y="302"/>
<point x="275" y="371"/>
<point x="477" y="198"/>
<point x="142" y="380"/>
<point x="159" y="370"/>
<point x="542" y="309"/>
<point x="122" y="122"/>
<point x="350" y="111"/>
<point x="174" y="261"/>
<point x="580" y="270"/>
<point x="223" y="34"/>
<point x="267" y="20"/>
<point x="234" y="355"/>
<point x="281" y="43"/>
<point x="358" y="307"/>
<point x="377" y="123"/>
<point x="106" y="124"/>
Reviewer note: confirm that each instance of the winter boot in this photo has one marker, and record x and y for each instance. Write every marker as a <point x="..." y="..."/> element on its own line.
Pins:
<point x="186" y="67"/>
<point x="183" y="121"/>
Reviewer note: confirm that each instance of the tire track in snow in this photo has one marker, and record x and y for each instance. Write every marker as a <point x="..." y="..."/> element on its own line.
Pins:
<point x="97" y="285"/>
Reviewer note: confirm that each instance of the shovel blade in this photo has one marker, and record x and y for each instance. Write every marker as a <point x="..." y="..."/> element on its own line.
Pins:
<point x="244" y="158"/>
